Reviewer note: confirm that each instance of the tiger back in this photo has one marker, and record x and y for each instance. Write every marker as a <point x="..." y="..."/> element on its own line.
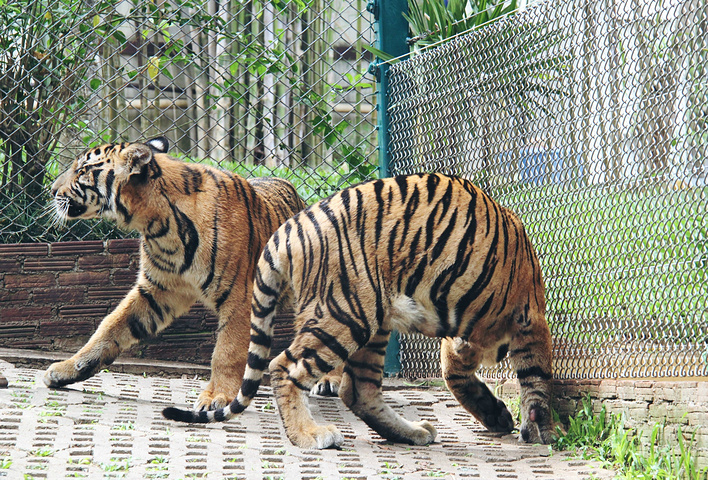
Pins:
<point x="201" y="232"/>
<point x="421" y="253"/>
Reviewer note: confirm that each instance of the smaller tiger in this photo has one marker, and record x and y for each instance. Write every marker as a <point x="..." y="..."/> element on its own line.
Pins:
<point x="201" y="233"/>
<point x="421" y="253"/>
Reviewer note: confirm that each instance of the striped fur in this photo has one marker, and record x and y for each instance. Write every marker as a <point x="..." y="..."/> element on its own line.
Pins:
<point x="421" y="253"/>
<point x="202" y="231"/>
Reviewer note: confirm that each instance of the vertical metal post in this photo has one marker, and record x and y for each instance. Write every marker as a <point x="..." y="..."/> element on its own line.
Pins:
<point x="391" y="38"/>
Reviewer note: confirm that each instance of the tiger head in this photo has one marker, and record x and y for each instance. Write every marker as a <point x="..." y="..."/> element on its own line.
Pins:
<point x="88" y="188"/>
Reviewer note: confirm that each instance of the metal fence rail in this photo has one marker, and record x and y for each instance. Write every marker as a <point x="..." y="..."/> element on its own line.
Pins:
<point x="587" y="118"/>
<point x="255" y="87"/>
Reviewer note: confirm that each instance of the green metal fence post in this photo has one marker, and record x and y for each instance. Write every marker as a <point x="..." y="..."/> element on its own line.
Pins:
<point x="391" y="38"/>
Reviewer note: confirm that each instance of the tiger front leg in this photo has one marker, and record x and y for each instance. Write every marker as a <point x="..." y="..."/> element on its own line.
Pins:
<point x="144" y="312"/>
<point x="459" y="362"/>
<point x="228" y="361"/>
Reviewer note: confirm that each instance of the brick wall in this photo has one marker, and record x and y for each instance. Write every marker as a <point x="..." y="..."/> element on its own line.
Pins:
<point x="645" y="403"/>
<point x="53" y="296"/>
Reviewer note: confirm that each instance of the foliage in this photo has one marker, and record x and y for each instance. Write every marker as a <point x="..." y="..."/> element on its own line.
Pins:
<point x="433" y="21"/>
<point x="334" y="136"/>
<point x="602" y="436"/>
<point x="48" y="54"/>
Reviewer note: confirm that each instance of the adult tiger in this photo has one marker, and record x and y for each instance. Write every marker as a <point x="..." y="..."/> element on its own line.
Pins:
<point x="202" y="231"/>
<point x="421" y="253"/>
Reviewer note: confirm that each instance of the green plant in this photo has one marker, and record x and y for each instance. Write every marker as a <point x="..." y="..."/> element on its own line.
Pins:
<point x="602" y="436"/>
<point x="334" y="137"/>
<point x="43" y="452"/>
<point x="116" y="465"/>
<point x="124" y="426"/>
<point x="433" y="21"/>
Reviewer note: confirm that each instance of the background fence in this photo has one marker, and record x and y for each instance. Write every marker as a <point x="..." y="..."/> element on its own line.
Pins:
<point x="588" y="118"/>
<point x="256" y="87"/>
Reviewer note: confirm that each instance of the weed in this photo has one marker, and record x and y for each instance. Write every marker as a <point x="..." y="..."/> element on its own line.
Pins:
<point x="124" y="426"/>
<point x="116" y="465"/>
<point x="59" y="412"/>
<point x="5" y="463"/>
<point x="603" y="437"/>
<point x="43" y="452"/>
<point x="435" y="473"/>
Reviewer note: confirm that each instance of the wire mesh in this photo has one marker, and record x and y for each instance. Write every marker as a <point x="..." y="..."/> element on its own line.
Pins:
<point x="587" y="118"/>
<point x="259" y="88"/>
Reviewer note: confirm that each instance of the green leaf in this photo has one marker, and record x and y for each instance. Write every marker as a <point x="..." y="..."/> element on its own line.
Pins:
<point x="95" y="83"/>
<point x="120" y="36"/>
<point x="386" y="57"/>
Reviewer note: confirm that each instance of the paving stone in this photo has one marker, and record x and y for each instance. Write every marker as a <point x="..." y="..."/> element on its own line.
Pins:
<point x="110" y="426"/>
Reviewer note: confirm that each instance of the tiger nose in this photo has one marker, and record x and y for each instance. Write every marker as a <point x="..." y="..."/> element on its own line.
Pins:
<point x="55" y="187"/>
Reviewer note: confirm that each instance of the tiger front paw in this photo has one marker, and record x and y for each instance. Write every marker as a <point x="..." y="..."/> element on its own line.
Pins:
<point x="215" y="397"/>
<point x="498" y="419"/>
<point x="70" y="371"/>
<point x="424" y="433"/>
<point x="318" y="437"/>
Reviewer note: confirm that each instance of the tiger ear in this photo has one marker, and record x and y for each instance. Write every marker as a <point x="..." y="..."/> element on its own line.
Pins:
<point x="136" y="156"/>
<point x="158" y="144"/>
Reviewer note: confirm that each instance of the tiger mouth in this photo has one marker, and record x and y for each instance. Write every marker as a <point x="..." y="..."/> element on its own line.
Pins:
<point x="68" y="208"/>
<point x="75" y="210"/>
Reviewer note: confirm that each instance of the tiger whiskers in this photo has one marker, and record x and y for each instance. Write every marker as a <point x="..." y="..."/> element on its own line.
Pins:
<point x="57" y="211"/>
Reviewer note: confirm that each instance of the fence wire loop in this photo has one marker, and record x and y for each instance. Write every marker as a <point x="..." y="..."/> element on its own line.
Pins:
<point x="587" y="119"/>
<point x="260" y="88"/>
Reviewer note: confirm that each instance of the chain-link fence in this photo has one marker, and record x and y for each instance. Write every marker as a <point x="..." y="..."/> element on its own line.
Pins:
<point x="588" y="118"/>
<point x="259" y="88"/>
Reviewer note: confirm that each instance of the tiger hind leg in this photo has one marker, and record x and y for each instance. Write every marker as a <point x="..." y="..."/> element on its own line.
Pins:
<point x="459" y="362"/>
<point x="292" y="378"/>
<point x="530" y="353"/>
<point x="361" y="392"/>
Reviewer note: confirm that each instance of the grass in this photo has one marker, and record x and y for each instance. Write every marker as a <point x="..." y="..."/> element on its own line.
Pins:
<point x="124" y="426"/>
<point x="604" y="437"/>
<point x="632" y="259"/>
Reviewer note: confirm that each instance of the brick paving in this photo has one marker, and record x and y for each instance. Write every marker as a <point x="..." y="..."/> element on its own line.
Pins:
<point x="110" y="426"/>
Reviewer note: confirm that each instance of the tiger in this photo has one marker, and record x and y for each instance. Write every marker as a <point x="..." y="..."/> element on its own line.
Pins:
<point x="201" y="233"/>
<point x="426" y="253"/>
